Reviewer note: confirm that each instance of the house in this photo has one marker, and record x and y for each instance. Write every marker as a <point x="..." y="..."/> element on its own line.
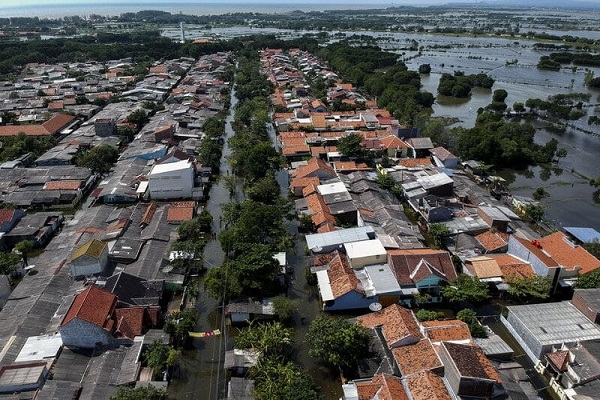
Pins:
<point x="172" y="180"/>
<point x="49" y="128"/>
<point x="443" y="158"/>
<point x="394" y="146"/>
<point x="23" y="377"/>
<point x="89" y="322"/>
<point x="329" y="241"/>
<point x="380" y="386"/>
<point x="493" y="242"/>
<point x="249" y="311"/>
<point x="132" y="290"/>
<point x="421" y="271"/>
<point x="419" y="147"/>
<point x="105" y="126"/>
<point x="486" y="269"/>
<point x="538" y="328"/>
<point x="418" y="357"/>
<point x="397" y="324"/>
<point x="575" y="371"/>
<point x="583" y="235"/>
<point x="298" y="184"/>
<point x="315" y="167"/>
<point x="339" y="287"/>
<point x="494" y="217"/>
<point x="365" y="252"/>
<point x="89" y="259"/>
<point x="9" y="218"/>
<point x="427" y="386"/>
<point x="468" y="371"/>
<point x="446" y="331"/>
<point x="38" y="227"/>
<point x="181" y="211"/>
<point x="238" y="361"/>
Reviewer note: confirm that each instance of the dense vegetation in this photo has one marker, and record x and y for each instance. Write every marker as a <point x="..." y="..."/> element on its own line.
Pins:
<point x="382" y="76"/>
<point x="460" y="85"/>
<point x="12" y="147"/>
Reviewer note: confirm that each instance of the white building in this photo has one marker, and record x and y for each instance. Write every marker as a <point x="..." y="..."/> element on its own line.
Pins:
<point x="89" y="259"/>
<point x="171" y="181"/>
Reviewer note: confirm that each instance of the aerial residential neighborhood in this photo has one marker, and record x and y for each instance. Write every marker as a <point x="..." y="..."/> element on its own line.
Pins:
<point x="252" y="221"/>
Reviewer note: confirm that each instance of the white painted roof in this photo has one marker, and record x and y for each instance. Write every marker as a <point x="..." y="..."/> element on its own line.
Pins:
<point x="171" y="167"/>
<point x="324" y="286"/>
<point x="364" y="248"/>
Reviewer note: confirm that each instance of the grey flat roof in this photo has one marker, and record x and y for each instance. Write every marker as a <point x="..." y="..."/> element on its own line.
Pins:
<point x="553" y="323"/>
<point x="340" y="236"/>
<point x="591" y="296"/>
<point x="383" y="278"/>
<point x="493" y="345"/>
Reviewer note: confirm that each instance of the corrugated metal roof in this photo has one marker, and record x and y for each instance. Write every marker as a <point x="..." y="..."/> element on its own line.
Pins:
<point x="585" y="235"/>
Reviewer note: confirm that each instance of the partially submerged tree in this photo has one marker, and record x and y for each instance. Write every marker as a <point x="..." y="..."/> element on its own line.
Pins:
<point x="465" y="288"/>
<point x="9" y="263"/>
<point x="337" y="342"/>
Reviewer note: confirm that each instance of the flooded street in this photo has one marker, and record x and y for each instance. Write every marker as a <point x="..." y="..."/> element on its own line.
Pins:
<point x="203" y="375"/>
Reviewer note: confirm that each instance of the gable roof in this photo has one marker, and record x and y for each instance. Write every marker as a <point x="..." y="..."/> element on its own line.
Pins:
<point x="471" y="361"/>
<point x="342" y="277"/>
<point x="312" y="166"/>
<point x="93" y="305"/>
<point x="568" y="254"/>
<point x="451" y="330"/>
<point x="427" y="386"/>
<point x="392" y="142"/>
<point x="397" y="323"/>
<point x="544" y="257"/>
<point x="50" y="127"/>
<point x="441" y="153"/>
<point x="491" y="241"/>
<point x="133" y="290"/>
<point x="93" y="248"/>
<point x="6" y="215"/>
<point x="417" y="357"/>
<point x="483" y="267"/>
<point x="513" y="266"/>
<point x="420" y="143"/>
<point x="382" y="387"/>
<point x="413" y="265"/>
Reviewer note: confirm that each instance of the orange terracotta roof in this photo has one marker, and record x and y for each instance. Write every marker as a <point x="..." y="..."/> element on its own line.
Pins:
<point x="314" y="165"/>
<point x="304" y="182"/>
<point x="417" y="357"/>
<point x="309" y="189"/>
<point x="292" y="150"/>
<point x="341" y="277"/>
<point x="397" y="323"/>
<point x="415" y="162"/>
<point x="318" y="121"/>
<point x="349" y="166"/>
<point x="62" y="185"/>
<point x="492" y="241"/>
<point x="58" y="122"/>
<point x="93" y="305"/>
<point x="180" y="214"/>
<point x="129" y="321"/>
<point x="6" y="215"/>
<point x="381" y="387"/>
<point x="149" y="213"/>
<point x="568" y="254"/>
<point x="532" y="248"/>
<point x="327" y="227"/>
<point x="512" y="266"/>
<point x="427" y="386"/>
<point x="450" y="330"/>
<point x="483" y="267"/>
<point x="559" y="359"/>
<point x="393" y="142"/>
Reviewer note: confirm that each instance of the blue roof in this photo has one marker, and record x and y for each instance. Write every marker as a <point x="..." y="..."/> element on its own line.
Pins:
<point x="585" y="235"/>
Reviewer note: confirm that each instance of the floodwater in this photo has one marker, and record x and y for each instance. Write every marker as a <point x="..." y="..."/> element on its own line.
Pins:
<point x="203" y="375"/>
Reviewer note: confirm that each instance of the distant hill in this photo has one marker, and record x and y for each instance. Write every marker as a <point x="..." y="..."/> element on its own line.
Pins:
<point x="531" y="4"/>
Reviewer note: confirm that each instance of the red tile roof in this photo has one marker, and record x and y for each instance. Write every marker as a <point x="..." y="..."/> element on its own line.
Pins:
<point x="559" y="359"/>
<point x="471" y="361"/>
<point x="62" y="185"/>
<point x="180" y="214"/>
<point x="512" y="266"/>
<point x="397" y="323"/>
<point x="341" y="277"/>
<point x="311" y="168"/>
<point x="492" y="241"/>
<point x="411" y="266"/>
<point x="417" y="357"/>
<point x="6" y="215"/>
<point x="532" y="247"/>
<point x="427" y="386"/>
<point x="415" y="162"/>
<point x="450" y="330"/>
<point x="149" y="213"/>
<point x="381" y="387"/>
<point x="568" y="254"/>
<point x="129" y="321"/>
<point x="93" y="305"/>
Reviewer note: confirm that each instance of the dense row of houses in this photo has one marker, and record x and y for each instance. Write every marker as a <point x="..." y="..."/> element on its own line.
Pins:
<point x="366" y="253"/>
<point x="78" y="321"/>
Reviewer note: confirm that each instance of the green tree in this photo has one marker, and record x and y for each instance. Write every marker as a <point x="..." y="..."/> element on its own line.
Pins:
<point x="189" y="230"/>
<point x="424" y="69"/>
<point x="25" y="247"/>
<point x="256" y="270"/>
<point x="352" y="146"/>
<point x="284" y="307"/>
<point x="437" y="232"/>
<point x="205" y="220"/>
<point x="535" y="287"/>
<point x="138" y="117"/>
<point x="336" y="342"/>
<point x="535" y="212"/>
<point x="427" y="315"/>
<point x="593" y="248"/>
<point x="99" y="159"/>
<point x="180" y="323"/>
<point x="9" y="262"/>
<point x="141" y="393"/>
<point x="221" y="284"/>
<point x="591" y="280"/>
<point x="518" y="107"/>
<point x="264" y="190"/>
<point x="156" y="357"/>
<point x="281" y="380"/>
<point x="469" y="317"/>
<point x="499" y="95"/>
<point x="269" y="339"/>
<point x="465" y="288"/>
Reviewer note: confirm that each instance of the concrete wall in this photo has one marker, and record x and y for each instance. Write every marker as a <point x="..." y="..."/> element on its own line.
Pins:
<point x="171" y="185"/>
<point x="587" y="309"/>
<point x="86" y="265"/>
<point x="349" y="301"/>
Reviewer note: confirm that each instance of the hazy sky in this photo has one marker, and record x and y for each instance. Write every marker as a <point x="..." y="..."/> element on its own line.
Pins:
<point x="349" y="2"/>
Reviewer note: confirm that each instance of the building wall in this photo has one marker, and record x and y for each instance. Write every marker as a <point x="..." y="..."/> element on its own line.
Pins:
<point x="172" y="185"/>
<point x="432" y="282"/>
<point x="359" y="262"/>
<point x="523" y="336"/>
<point x="86" y="265"/>
<point x="349" y="301"/>
<point x="516" y="249"/>
<point x="585" y="307"/>
<point x="82" y="334"/>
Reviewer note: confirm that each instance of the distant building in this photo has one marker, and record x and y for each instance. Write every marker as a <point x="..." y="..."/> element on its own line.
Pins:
<point x="105" y="127"/>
